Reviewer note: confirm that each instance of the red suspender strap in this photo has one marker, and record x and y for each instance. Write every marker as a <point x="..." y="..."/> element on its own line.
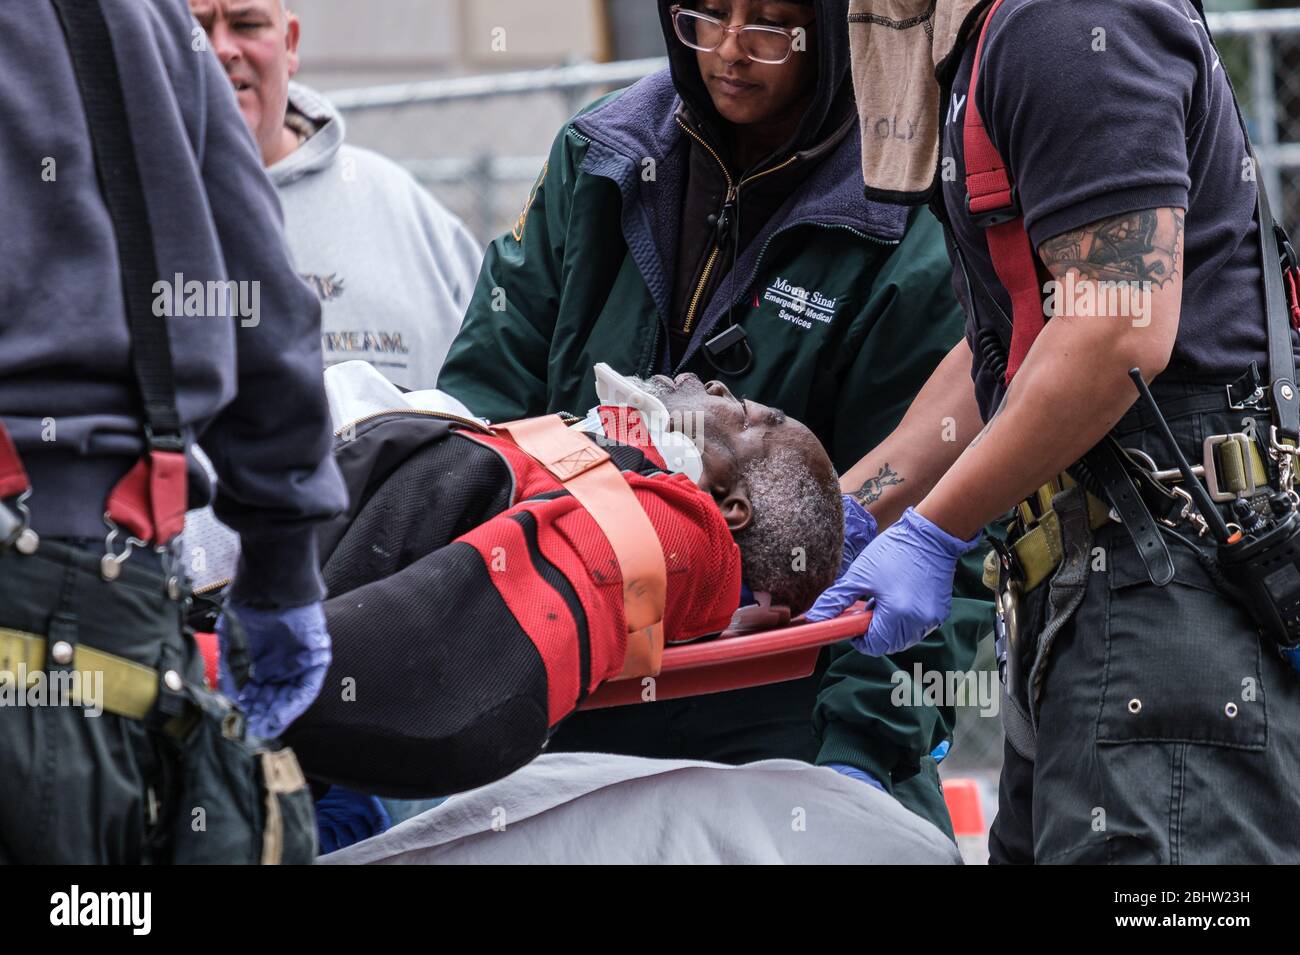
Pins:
<point x="1291" y="279"/>
<point x="585" y="470"/>
<point x="13" y="479"/>
<point x="993" y="204"/>
<point x="150" y="500"/>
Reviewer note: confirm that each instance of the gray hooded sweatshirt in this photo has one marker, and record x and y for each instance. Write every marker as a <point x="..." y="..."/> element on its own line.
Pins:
<point x="393" y="269"/>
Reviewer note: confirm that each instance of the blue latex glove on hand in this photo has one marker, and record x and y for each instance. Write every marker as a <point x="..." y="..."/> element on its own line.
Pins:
<point x="289" y="651"/>
<point x="859" y="531"/>
<point x="344" y="818"/>
<point x="1293" y="657"/>
<point x="908" y="570"/>
<point x="844" y="769"/>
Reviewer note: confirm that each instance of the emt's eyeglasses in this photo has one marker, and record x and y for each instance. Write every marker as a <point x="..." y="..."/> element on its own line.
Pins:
<point x="705" y="33"/>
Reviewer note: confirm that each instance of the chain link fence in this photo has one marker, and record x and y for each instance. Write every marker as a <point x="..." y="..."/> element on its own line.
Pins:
<point x="478" y="142"/>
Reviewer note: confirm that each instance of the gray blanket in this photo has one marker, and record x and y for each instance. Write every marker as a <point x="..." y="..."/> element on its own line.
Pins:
<point x="578" y="808"/>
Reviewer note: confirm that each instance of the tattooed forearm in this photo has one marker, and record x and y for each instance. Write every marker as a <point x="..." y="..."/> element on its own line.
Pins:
<point x="1141" y="246"/>
<point x="872" y="488"/>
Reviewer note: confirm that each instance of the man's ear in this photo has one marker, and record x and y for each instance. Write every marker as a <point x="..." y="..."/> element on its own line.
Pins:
<point x="292" y="32"/>
<point x="736" y="509"/>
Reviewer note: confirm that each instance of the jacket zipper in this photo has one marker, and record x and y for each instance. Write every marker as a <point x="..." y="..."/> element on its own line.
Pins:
<point x="733" y="190"/>
<point x="763" y="251"/>
<point x="215" y="585"/>
<point x="825" y="225"/>
<point x="468" y="422"/>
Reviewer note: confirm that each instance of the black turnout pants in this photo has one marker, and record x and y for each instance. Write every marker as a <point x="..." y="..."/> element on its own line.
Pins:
<point x="74" y="784"/>
<point x="1168" y="727"/>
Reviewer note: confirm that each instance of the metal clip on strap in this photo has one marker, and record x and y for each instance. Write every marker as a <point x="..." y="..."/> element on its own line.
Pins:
<point x="14" y="529"/>
<point x="587" y="473"/>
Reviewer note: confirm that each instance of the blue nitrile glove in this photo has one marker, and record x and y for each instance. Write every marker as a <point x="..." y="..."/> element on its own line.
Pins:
<point x="289" y="651"/>
<point x="1293" y="657"/>
<point x="940" y="751"/>
<point x="859" y="530"/>
<point x="344" y="817"/>
<point x="844" y="769"/>
<point x="908" y="570"/>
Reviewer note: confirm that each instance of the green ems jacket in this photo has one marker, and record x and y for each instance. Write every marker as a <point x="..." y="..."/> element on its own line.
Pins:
<point x="847" y="305"/>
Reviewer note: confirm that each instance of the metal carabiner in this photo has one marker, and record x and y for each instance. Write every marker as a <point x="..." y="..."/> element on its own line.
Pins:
<point x="1284" y="456"/>
<point x="17" y="530"/>
<point x="110" y="565"/>
<point x="1188" y="513"/>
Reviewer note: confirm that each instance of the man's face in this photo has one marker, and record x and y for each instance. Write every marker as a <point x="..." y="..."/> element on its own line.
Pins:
<point x="746" y="92"/>
<point x="731" y="433"/>
<point x="257" y="43"/>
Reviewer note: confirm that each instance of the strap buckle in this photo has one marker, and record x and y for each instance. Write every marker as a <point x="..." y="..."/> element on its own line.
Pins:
<point x="1250" y="382"/>
<point x="174" y="442"/>
<point x="987" y="218"/>
<point x="1211" y="466"/>
<point x="1208" y="470"/>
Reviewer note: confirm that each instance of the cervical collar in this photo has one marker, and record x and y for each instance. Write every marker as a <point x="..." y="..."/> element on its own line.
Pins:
<point x="679" y="452"/>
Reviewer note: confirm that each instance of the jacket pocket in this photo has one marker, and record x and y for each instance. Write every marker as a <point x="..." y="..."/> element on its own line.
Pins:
<point x="1182" y="661"/>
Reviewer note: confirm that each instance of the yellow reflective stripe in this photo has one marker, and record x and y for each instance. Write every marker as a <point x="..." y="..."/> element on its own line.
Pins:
<point x="129" y="688"/>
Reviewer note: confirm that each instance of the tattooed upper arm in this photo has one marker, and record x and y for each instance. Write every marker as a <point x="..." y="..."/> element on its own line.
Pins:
<point x="1144" y="246"/>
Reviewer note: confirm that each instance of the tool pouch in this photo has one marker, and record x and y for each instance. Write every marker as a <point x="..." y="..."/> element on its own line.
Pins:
<point x="233" y="800"/>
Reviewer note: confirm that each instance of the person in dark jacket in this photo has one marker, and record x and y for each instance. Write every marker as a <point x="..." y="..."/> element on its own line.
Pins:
<point x="247" y="388"/>
<point x="711" y="219"/>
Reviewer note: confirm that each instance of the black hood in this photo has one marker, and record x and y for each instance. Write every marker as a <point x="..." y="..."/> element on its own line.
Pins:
<point x="833" y="82"/>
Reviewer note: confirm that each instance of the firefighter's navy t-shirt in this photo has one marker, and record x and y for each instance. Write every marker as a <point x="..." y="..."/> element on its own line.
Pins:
<point x="1101" y="108"/>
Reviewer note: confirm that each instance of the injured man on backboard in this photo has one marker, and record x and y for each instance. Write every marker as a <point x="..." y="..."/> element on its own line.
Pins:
<point x="486" y="580"/>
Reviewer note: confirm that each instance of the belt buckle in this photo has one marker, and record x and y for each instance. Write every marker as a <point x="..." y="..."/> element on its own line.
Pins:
<point x="1211" y="466"/>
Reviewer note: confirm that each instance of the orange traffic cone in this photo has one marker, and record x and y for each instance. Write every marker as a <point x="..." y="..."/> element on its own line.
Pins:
<point x="963" y="799"/>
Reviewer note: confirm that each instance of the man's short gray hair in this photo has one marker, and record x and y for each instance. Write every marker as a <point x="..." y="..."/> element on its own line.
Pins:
<point x="791" y="547"/>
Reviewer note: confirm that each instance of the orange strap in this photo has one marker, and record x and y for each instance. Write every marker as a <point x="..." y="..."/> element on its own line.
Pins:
<point x="585" y="470"/>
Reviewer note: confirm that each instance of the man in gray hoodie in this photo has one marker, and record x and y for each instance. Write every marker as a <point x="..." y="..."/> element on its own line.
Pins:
<point x="74" y="396"/>
<point x="393" y="269"/>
